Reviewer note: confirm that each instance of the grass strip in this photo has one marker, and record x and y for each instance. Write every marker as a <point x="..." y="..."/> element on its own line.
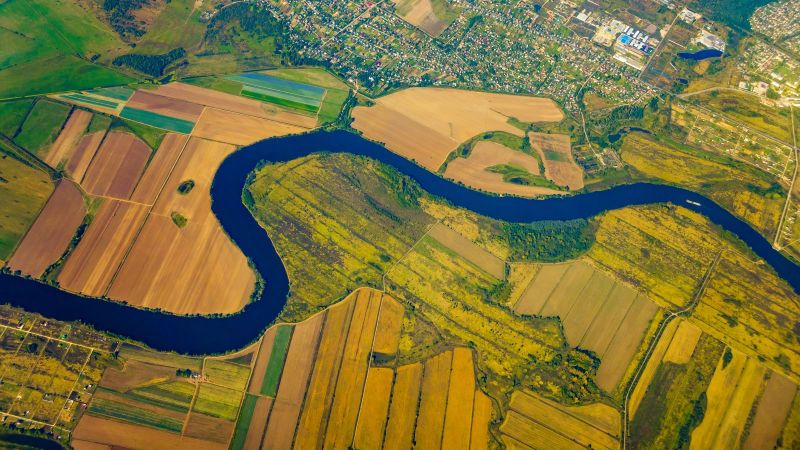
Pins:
<point x="279" y="101"/>
<point x="91" y="100"/>
<point x="276" y="359"/>
<point x="243" y="424"/>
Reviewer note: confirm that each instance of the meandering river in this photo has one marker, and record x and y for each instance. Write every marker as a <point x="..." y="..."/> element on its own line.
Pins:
<point x="204" y="335"/>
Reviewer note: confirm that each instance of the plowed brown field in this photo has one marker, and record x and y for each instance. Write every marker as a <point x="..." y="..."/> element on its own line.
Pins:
<point x="65" y="143"/>
<point x="171" y="107"/>
<point x="117" y="166"/>
<point x="82" y="157"/>
<point x="52" y="232"/>
<point x="159" y="168"/>
<point x="238" y="129"/>
<point x="194" y="269"/>
<point x="94" y="262"/>
<point x="426" y="124"/>
<point x="559" y="165"/>
<point x="473" y="170"/>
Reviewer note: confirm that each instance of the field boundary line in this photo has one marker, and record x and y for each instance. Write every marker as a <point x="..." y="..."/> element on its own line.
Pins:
<point x="149" y="209"/>
<point x="686" y="311"/>
<point x="776" y="243"/>
<point x="74" y="385"/>
<point x="408" y="252"/>
<point x="369" y="366"/>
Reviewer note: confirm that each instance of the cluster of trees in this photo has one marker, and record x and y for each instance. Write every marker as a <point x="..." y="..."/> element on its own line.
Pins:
<point x="734" y="13"/>
<point x="153" y="65"/>
<point x="121" y="18"/>
<point x="550" y="240"/>
<point x="248" y="29"/>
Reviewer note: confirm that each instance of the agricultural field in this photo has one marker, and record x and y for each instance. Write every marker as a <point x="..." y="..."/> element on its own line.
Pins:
<point x="534" y="422"/>
<point x="748" y="192"/>
<point x="336" y="92"/>
<point x="117" y="166"/>
<point x="443" y="119"/>
<point x="49" y="371"/>
<point x="695" y="390"/>
<point x="51" y="233"/>
<point x="61" y="150"/>
<point x="559" y="164"/>
<point x="24" y="190"/>
<point x="42" y="125"/>
<point x="298" y="96"/>
<point x="146" y="277"/>
<point x="598" y="313"/>
<point x="183" y="402"/>
<point x="338" y="395"/>
<point x="430" y="16"/>
<point x="12" y="115"/>
<point x="493" y="167"/>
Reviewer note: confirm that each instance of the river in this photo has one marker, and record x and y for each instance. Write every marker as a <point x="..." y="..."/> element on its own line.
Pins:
<point x="206" y="335"/>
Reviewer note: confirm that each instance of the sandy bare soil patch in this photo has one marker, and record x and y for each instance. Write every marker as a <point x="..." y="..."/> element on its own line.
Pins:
<point x="123" y="435"/>
<point x="94" y="261"/>
<point x="426" y="124"/>
<point x="166" y="106"/>
<point x="194" y="269"/>
<point x="559" y="165"/>
<point x="231" y="103"/>
<point x="598" y="313"/>
<point x="52" y="232"/>
<point x="65" y="143"/>
<point x="238" y="129"/>
<point x="473" y="170"/>
<point x="420" y="14"/>
<point x="159" y="168"/>
<point x="469" y="250"/>
<point x="117" y="166"/>
<point x="83" y="154"/>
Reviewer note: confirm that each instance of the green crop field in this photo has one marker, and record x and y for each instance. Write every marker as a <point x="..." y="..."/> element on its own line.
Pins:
<point x="24" y="191"/>
<point x="336" y="91"/>
<point x="133" y="414"/>
<point x="243" y="423"/>
<point x="12" y="114"/>
<point x="91" y="100"/>
<point x="276" y="100"/>
<point x="276" y="359"/>
<point x="99" y="123"/>
<point x="218" y="401"/>
<point x="116" y="92"/>
<point x="227" y="374"/>
<point x="157" y="120"/>
<point x="42" y="125"/>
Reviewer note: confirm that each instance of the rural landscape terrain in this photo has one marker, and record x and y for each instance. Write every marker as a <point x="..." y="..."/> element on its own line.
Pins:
<point x="540" y="224"/>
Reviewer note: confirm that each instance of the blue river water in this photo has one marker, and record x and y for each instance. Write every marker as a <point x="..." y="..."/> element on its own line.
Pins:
<point x="206" y="335"/>
<point x="701" y="54"/>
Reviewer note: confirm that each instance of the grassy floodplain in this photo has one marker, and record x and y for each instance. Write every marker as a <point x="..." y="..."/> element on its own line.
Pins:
<point x="24" y="191"/>
<point x="48" y="47"/>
